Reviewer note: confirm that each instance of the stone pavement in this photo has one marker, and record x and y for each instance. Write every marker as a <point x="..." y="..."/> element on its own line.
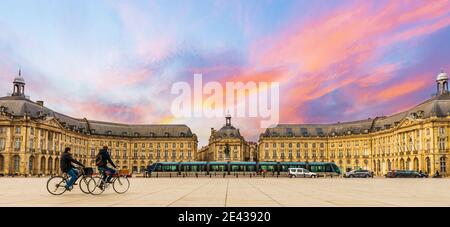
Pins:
<point x="232" y="192"/>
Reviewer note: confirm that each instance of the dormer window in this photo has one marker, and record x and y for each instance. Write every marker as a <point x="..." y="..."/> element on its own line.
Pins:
<point x="166" y="134"/>
<point x="92" y="130"/>
<point x="136" y="134"/>
<point x="152" y="134"/>
<point x="349" y="132"/>
<point x="304" y="131"/>
<point x="109" y="133"/>
<point x="124" y="133"/>
<point x="182" y="134"/>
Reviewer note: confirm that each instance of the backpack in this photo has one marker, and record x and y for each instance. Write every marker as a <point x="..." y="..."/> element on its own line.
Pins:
<point x="99" y="159"/>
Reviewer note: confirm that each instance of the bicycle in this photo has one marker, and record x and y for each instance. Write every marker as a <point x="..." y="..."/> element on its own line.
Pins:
<point x="119" y="181"/>
<point x="56" y="185"/>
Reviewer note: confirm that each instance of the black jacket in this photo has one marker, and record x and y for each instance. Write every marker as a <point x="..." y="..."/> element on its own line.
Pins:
<point x="106" y="158"/>
<point x="66" y="162"/>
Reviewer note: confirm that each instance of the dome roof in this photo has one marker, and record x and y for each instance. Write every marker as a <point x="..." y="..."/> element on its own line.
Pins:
<point x="228" y="132"/>
<point x="19" y="79"/>
<point x="442" y="76"/>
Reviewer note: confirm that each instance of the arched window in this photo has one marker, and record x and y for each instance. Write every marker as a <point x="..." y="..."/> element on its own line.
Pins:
<point x="2" y="163"/>
<point x="50" y="165"/>
<point x="16" y="163"/>
<point x="416" y="164"/>
<point x="443" y="166"/>
<point x="30" y="164"/>
<point x="43" y="164"/>
<point x="57" y="169"/>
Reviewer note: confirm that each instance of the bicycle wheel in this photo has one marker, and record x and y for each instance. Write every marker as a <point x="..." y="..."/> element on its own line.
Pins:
<point x="94" y="185"/>
<point x="84" y="181"/>
<point x="121" y="184"/>
<point x="56" y="185"/>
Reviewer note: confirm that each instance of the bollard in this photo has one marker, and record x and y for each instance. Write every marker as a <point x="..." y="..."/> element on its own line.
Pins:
<point x="209" y="175"/>
<point x="156" y="175"/>
<point x="223" y="175"/>
<point x="170" y="175"/>
<point x="196" y="175"/>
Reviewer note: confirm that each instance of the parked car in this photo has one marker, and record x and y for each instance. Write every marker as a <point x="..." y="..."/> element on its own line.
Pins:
<point x="404" y="174"/>
<point x="300" y="172"/>
<point x="359" y="173"/>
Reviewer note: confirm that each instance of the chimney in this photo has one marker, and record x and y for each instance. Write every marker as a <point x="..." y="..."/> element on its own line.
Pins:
<point x="40" y="103"/>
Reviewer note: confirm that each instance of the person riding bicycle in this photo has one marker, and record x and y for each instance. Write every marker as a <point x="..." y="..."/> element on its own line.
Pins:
<point x="102" y="160"/>
<point x="67" y="167"/>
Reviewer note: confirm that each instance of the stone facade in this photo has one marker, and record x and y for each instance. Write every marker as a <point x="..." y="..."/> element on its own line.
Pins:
<point x="32" y="138"/>
<point x="227" y="144"/>
<point x="416" y="139"/>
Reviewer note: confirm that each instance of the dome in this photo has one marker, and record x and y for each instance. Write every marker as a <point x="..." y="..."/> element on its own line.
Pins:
<point x="19" y="79"/>
<point x="228" y="132"/>
<point x="442" y="76"/>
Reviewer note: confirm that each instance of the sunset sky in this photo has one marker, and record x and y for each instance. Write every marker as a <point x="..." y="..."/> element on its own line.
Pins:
<point x="117" y="60"/>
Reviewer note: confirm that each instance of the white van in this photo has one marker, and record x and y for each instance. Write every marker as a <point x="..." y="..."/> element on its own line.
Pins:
<point x="300" y="172"/>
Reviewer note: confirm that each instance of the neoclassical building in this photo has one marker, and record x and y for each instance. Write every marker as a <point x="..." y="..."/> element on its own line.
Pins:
<point x="416" y="139"/>
<point x="227" y="144"/>
<point x="33" y="136"/>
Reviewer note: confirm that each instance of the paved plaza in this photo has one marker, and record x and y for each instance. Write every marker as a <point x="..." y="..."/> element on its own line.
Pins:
<point x="232" y="192"/>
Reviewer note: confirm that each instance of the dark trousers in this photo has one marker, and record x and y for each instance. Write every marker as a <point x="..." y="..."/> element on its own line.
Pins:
<point x="107" y="173"/>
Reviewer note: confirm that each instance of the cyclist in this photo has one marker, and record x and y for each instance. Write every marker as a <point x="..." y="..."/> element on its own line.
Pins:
<point x="102" y="160"/>
<point x="67" y="167"/>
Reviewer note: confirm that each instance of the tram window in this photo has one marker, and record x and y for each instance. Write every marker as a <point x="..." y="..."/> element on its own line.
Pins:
<point x="234" y="168"/>
<point x="250" y="168"/>
<point x="320" y="168"/>
<point x="169" y="168"/>
<point x="328" y="168"/>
